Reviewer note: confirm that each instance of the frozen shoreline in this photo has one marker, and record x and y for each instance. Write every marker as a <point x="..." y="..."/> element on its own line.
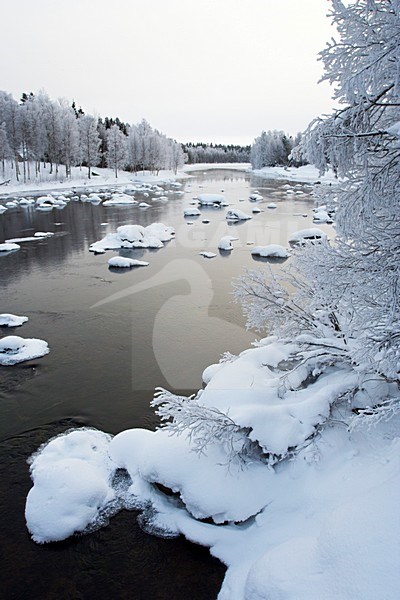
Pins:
<point x="106" y="178"/>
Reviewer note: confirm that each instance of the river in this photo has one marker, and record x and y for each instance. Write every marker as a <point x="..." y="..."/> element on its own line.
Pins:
<point x="114" y="336"/>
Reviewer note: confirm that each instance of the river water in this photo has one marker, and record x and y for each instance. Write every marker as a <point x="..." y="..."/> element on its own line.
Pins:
<point x="114" y="336"/>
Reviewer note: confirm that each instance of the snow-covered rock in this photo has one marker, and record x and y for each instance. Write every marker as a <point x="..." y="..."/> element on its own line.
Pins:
<point x="10" y="320"/>
<point x="208" y="254"/>
<point x="191" y="212"/>
<point x="255" y="197"/>
<point x="210" y="199"/>
<point x="123" y="262"/>
<point x="271" y="205"/>
<point x="225" y="243"/>
<point x="120" y="199"/>
<point x="135" y="236"/>
<point x="71" y="484"/>
<point x="235" y="214"/>
<point x="2" y="208"/>
<point x="9" y="247"/>
<point x="303" y="235"/>
<point x="15" y="349"/>
<point x="271" y="251"/>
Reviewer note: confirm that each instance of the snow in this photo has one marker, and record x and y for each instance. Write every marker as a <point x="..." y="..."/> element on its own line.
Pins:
<point x="324" y="524"/>
<point x="71" y="483"/>
<point x="135" y="236"/>
<point x="255" y="197"/>
<point x="10" y="320"/>
<point x="235" y="214"/>
<point x="15" y="349"/>
<point x="2" y="208"/>
<point x="210" y="199"/>
<point x="120" y="200"/>
<point x="307" y="173"/>
<point x="225" y="243"/>
<point x="271" y="205"/>
<point x="123" y="262"/>
<point x="8" y="247"/>
<point x="256" y="210"/>
<point x="272" y="251"/>
<point x="306" y="234"/>
<point x="29" y="238"/>
<point x="191" y="212"/>
<point x="208" y="254"/>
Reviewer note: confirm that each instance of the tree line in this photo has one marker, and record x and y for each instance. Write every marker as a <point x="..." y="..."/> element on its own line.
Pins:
<point x="37" y="132"/>
<point x="273" y="149"/>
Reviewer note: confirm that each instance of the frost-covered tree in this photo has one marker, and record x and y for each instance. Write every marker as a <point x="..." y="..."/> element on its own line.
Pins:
<point x="116" y="148"/>
<point x="89" y="141"/>
<point x="176" y="156"/>
<point x="4" y="146"/>
<point x="353" y="296"/>
<point x="134" y="149"/>
<point x="70" y="138"/>
<point x="271" y="149"/>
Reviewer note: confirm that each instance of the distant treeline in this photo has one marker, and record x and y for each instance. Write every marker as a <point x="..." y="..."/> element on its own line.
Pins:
<point x="216" y="153"/>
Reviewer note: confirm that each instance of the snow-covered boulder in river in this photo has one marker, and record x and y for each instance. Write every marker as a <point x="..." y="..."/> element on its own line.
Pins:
<point x="15" y="349"/>
<point x="122" y="262"/>
<point x="234" y="214"/>
<point x="135" y="236"/>
<point x="271" y="251"/>
<point x="10" y="320"/>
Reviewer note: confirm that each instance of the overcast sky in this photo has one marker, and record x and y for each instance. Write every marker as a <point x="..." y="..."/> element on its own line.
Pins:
<point x="197" y="70"/>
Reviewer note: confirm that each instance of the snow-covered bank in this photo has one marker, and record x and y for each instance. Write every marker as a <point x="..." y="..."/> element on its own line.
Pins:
<point x="323" y="523"/>
<point x="101" y="178"/>
<point x="307" y="173"/>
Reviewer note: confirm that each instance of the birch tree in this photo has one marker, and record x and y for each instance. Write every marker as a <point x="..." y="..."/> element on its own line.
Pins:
<point x="89" y="142"/>
<point x="116" y="148"/>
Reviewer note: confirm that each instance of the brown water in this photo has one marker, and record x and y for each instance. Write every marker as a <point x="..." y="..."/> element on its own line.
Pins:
<point x="115" y="336"/>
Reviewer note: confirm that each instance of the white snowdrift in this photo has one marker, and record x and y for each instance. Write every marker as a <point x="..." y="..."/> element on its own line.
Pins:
<point x="135" y="236"/>
<point x="10" y="320"/>
<point x="15" y="349"/>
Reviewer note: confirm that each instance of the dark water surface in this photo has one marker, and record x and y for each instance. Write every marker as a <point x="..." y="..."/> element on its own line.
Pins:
<point x="113" y="337"/>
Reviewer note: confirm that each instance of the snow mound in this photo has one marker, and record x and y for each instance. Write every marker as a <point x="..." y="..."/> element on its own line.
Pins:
<point x="2" y="208"/>
<point x="14" y="349"/>
<point x="272" y="205"/>
<point x="135" y="236"/>
<point x="303" y="235"/>
<point x="123" y="262"/>
<point x="235" y="214"/>
<point x="71" y="477"/>
<point x="271" y="251"/>
<point x="10" y="320"/>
